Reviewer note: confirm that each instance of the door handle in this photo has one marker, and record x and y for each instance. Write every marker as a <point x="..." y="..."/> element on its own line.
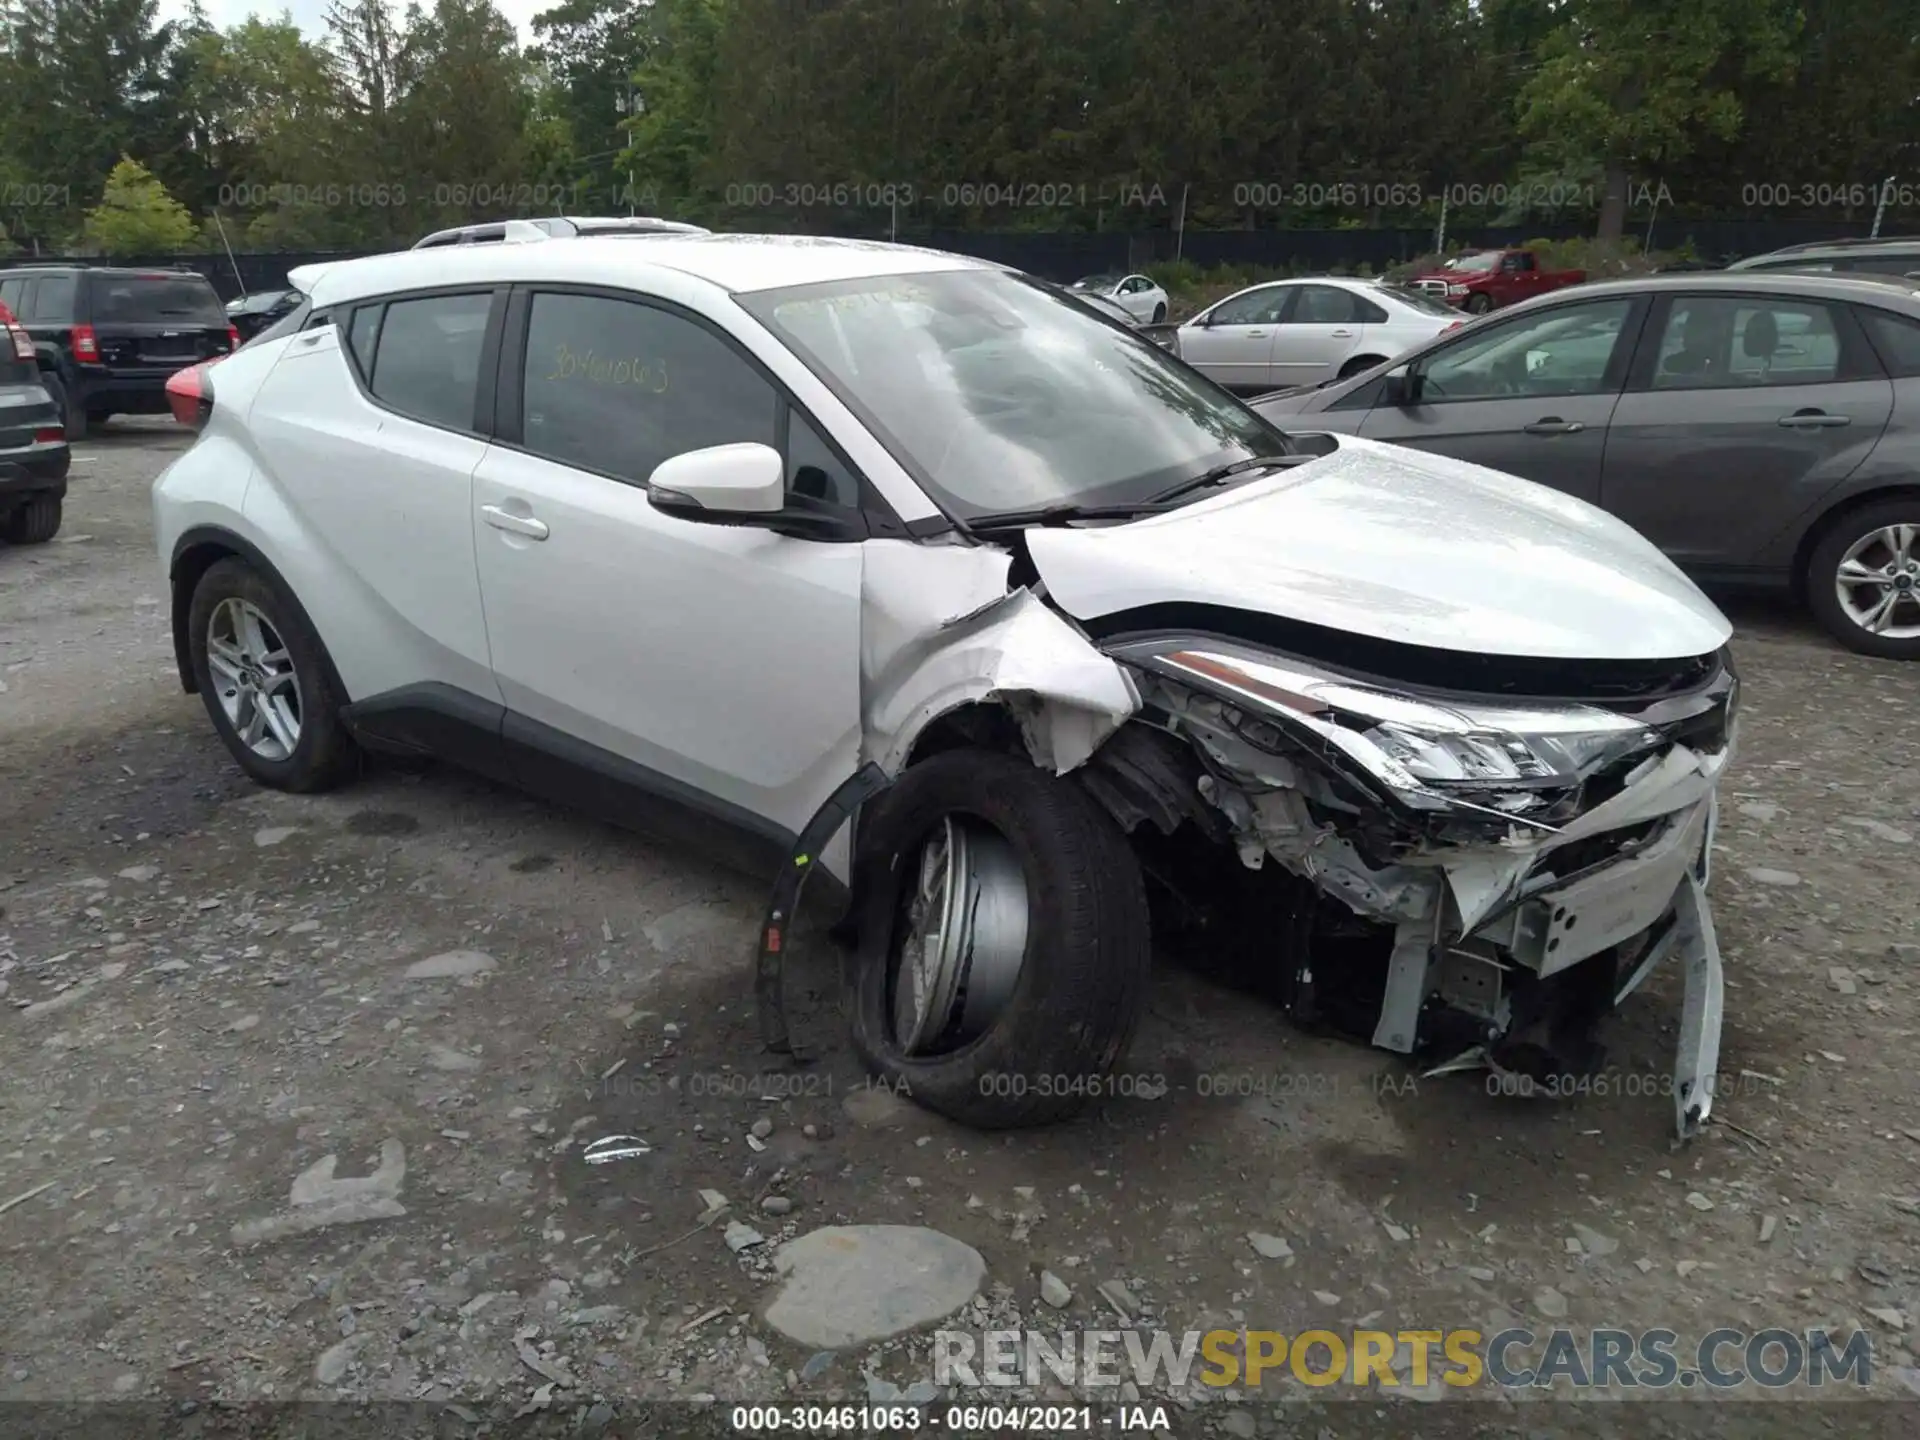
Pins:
<point x="518" y="524"/>
<point x="1814" y="420"/>
<point x="1256" y="334"/>
<point x="1554" y="425"/>
<point x="1341" y="334"/>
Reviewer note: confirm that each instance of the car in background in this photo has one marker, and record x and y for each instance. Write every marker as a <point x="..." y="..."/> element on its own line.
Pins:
<point x="1481" y="280"/>
<point x="1900" y="258"/>
<point x="1138" y="295"/>
<point x="250" y="314"/>
<point x="1302" y="332"/>
<point x="555" y="227"/>
<point x="1103" y="305"/>
<point x="109" y="338"/>
<point x="1761" y="429"/>
<point x="34" y="457"/>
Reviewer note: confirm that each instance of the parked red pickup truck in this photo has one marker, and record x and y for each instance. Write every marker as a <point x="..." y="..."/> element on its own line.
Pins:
<point x="1483" y="280"/>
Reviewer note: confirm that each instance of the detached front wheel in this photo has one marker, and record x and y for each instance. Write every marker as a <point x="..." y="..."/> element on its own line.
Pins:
<point x="1004" y="948"/>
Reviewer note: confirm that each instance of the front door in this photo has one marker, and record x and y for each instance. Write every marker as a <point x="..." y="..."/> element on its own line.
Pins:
<point x="1235" y="347"/>
<point x="714" y="662"/>
<point x="1742" y="412"/>
<point x="1532" y="396"/>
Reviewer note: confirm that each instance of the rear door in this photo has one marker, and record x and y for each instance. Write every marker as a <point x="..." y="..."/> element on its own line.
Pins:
<point x="1235" y="346"/>
<point x="1741" y="411"/>
<point x="1532" y="395"/>
<point x="1317" y="333"/>
<point x="367" y="440"/>
<point x="155" y="321"/>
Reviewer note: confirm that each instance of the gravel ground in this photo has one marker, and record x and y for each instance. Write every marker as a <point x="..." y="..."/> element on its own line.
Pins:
<point x="208" y="991"/>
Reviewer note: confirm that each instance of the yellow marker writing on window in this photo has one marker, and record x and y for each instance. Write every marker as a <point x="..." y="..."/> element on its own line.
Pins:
<point x="571" y="364"/>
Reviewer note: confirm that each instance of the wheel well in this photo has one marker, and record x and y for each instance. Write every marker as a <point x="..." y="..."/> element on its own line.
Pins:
<point x="1821" y="528"/>
<point x="979" y="725"/>
<point x="188" y="567"/>
<point x="1364" y="362"/>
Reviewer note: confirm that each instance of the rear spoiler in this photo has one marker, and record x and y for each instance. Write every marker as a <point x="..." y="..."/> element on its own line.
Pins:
<point x="303" y="277"/>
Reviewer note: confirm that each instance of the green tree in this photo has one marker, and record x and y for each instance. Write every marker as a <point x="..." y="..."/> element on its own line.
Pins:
<point x="136" y="215"/>
<point x="1625" y="85"/>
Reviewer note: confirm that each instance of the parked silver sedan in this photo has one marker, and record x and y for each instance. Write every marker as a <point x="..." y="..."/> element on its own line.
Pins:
<point x="1295" y="332"/>
<point x="1762" y="429"/>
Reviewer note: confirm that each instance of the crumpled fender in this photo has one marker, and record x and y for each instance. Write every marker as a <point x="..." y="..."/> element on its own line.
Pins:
<point x="940" y="630"/>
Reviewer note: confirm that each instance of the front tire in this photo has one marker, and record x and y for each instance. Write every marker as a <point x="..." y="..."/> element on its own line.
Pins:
<point x="266" y="681"/>
<point x="997" y="1042"/>
<point x="1479" y="304"/>
<point x="1863" y="580"/>
<point x="33" y="522"/>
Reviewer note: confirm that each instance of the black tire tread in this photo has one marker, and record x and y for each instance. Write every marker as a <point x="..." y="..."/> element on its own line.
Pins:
<point x="326" y="755"/>
<point x="34" y="521"/>
<point x="1076" y="1008"/>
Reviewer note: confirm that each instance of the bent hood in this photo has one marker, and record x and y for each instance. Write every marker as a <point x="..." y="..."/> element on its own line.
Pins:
<point x="1400" y="545"/>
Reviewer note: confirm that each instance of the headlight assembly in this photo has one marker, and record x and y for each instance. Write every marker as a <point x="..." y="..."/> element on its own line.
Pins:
<point x="1518" y="762"/>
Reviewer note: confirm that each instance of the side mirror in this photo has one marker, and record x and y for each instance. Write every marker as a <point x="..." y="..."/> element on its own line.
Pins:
<point x="720" y="484"/>
<point x="1400" y="386"/>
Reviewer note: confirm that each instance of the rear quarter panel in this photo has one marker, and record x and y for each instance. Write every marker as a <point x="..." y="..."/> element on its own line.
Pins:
<point x="1892" y="465"/>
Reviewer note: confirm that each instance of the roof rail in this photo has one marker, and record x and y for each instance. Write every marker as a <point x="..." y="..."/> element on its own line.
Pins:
<point x="1846" y="242"/>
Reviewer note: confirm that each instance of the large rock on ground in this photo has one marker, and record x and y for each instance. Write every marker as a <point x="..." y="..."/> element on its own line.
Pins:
<point x="853" y="1284"/>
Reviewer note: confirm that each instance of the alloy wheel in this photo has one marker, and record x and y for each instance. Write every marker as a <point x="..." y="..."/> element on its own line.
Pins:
<point x="966" y="938"/>
<point x="1878" y="582"/>
<point x="254" y="675"/>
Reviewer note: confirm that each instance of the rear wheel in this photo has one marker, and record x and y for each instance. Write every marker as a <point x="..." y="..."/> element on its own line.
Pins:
<point x="1004" y="950"/>
<point x="71" y="415"/>
<point x="1359" y="363"/>
<point x="265" y="679"/>
<point x="1159" y="313"/>
<point x="1863" y="579"/>
<point x="33" y="522"/>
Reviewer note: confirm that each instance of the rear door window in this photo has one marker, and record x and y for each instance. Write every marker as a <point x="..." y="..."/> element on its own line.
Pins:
<point x="1895" y="337"/>
<point x="426" y="362"/>
<point x="155" y="300"/>
<point x="51" y="300"/>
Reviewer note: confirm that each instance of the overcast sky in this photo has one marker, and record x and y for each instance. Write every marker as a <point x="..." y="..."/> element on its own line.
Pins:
<point x="309" y="14"/>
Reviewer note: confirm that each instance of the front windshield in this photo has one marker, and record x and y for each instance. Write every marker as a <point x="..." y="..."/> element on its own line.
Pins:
<point x="999" y="395"/>
<point x="1484" y="260"/>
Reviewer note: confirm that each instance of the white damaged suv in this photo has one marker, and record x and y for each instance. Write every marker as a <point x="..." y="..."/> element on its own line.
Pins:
<point x="775" y="531"/>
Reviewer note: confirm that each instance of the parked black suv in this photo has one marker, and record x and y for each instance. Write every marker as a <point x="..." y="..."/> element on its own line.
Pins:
<point x="33" y="446"/>
<point x="108" y="339"/>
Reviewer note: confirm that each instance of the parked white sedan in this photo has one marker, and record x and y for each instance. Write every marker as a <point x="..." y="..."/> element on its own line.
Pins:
<point x="1136" y="294"/>
<point x="1300" y="332"/>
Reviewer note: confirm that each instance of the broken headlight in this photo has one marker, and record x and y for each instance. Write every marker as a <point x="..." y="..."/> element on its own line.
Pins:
<point x="1515" y="761"/>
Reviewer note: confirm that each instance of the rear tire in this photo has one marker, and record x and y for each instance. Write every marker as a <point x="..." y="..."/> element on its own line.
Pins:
<point x="1856" y="532"/>
<point x="1082" y="981"/>
<point x="33" y="522"/>
<point x="1357" y="364"/>
<point x="323" y="754"/>
<point x="71" y="415"/>
<point x="1159" y="314"/>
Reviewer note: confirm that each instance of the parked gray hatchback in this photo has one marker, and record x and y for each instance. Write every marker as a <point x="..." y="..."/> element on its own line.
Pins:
<point x="1762" y="429"/>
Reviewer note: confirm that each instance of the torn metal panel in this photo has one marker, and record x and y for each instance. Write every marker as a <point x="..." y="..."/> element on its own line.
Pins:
<point x="1698" y="1061"/>
<point x="1407" y="980"/>
<point x="931" y="643"/>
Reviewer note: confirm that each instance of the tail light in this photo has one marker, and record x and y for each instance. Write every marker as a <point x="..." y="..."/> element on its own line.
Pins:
<point x="1455" y="325"/>
<point x="190" y="396"/>
<point x="22" y="342"/>
<point x="233" y="337"/>
<point x="49" y="435"/>
<point x="86" y="345"/>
